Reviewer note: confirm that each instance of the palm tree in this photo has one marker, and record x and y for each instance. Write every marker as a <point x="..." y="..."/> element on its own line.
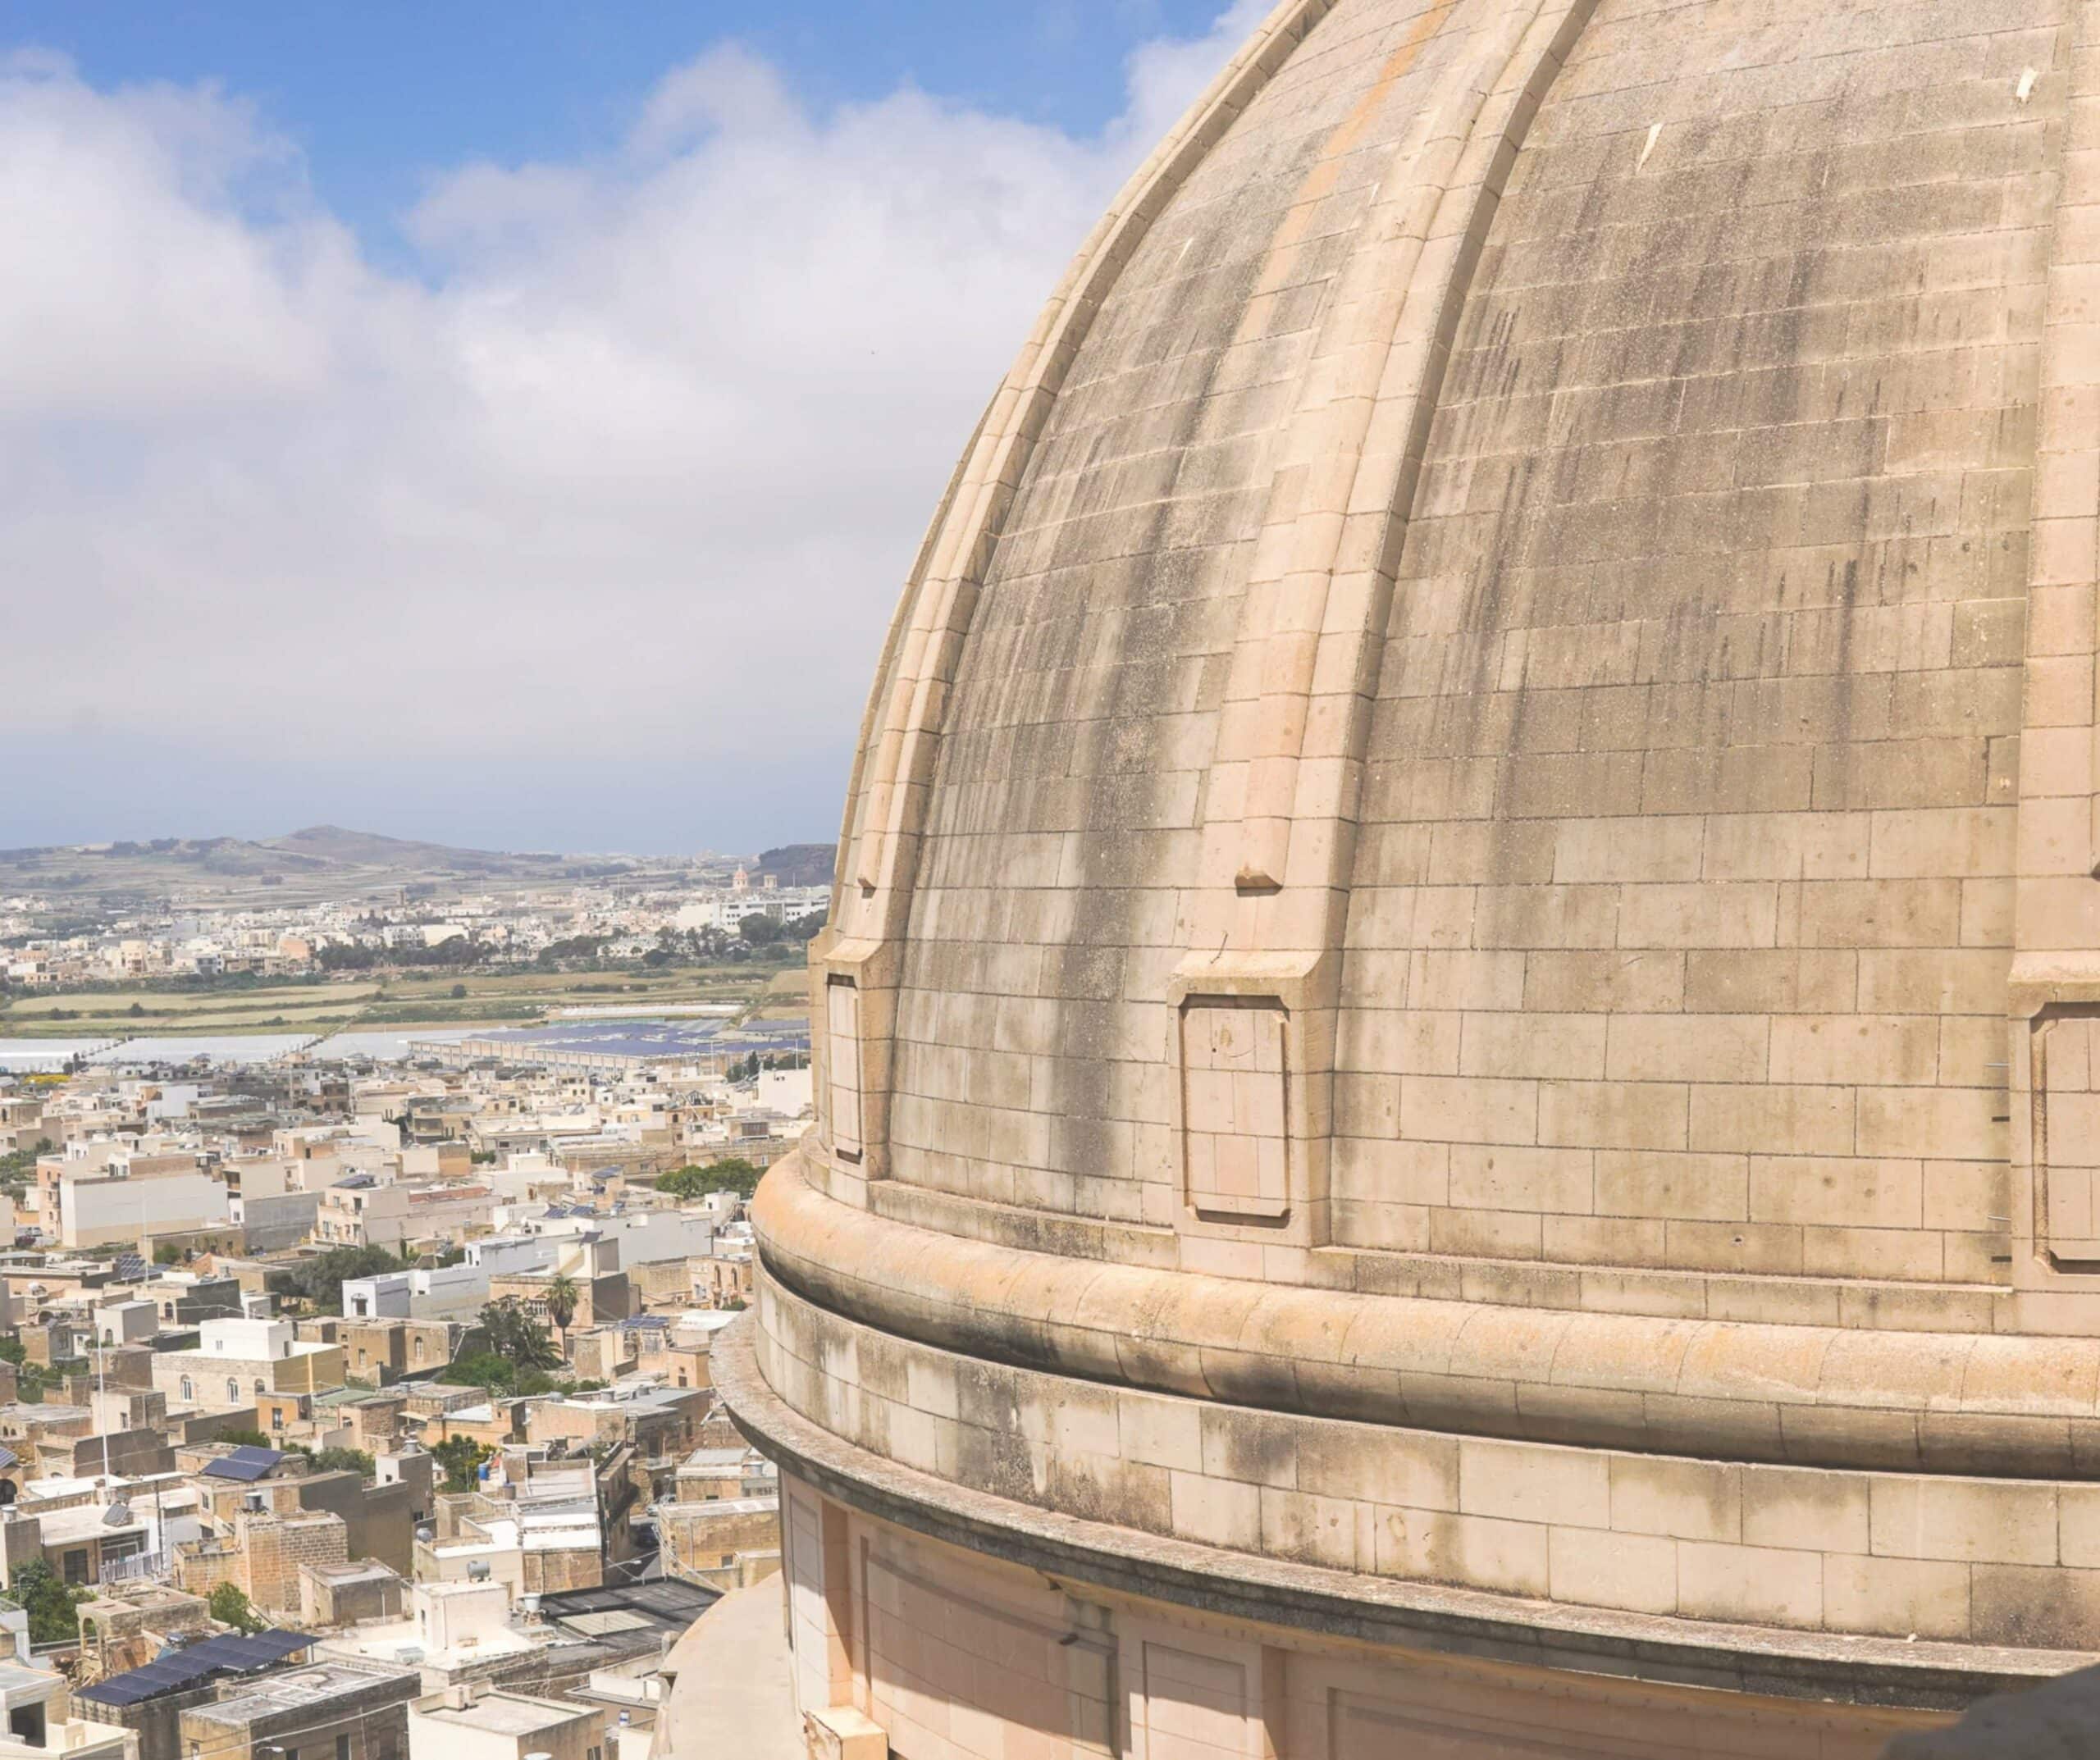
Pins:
<point x="563" y="1296"/>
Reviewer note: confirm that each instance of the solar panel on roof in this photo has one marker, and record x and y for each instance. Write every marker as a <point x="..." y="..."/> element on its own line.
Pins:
<point x="130" y="1268"/>
<point x="178" y="1669"/>
<point x="259" y="1649"/>
<point x="605" y="1624"/>
<point x="247" y="1463"/>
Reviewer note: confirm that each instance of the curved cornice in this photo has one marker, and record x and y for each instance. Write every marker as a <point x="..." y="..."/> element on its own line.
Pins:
<point x="1810" y="1396"/>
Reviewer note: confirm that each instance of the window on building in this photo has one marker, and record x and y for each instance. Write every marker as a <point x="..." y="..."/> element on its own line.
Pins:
<point x="416" y="1349"/>
<point x="276" y="1417"/>
<point x="75" y="1566"/>
<point x="188" y="1391"/>
<point x="342" y="1747"/>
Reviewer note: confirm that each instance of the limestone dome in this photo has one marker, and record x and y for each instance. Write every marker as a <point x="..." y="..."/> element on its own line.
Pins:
<point x="1459" y="1086"/>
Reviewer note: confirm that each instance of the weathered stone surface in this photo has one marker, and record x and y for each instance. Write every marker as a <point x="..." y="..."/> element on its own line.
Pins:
<point x="1467" y="955"/>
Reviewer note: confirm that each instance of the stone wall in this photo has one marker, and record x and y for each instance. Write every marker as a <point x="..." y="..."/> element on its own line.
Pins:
<point x="705" y="1540"/>
<point x="331" y="1596"/>
<point x="551" y="1571"/>
<point x="275" y="1549"/>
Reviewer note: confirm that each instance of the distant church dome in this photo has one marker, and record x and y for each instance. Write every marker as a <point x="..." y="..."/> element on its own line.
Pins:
<point x="1459" y="1053"/>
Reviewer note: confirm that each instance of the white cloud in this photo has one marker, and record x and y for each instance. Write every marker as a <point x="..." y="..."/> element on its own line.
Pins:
<point x="643" y="452"/>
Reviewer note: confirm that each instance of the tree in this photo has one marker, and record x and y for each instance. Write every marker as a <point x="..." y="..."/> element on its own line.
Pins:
<point x="32" y="1380"/>
<point x="515" y="1336"/>
<point x="251" y="1438"/>
<point x="461" y="1456"/>
<point x="483" y="1369"/>
<point x="52" y="1607"/>
<point x="563" y="1296"/>
<point x="319" y="1278"/>
<point x="345" y="1460"/>
<point x="167" y="1253"/>
<point x="18" y="1166"/>
<point x="733" y="1173"/>
<point x="229" y="1606"/>
<point x="759" y="930"/>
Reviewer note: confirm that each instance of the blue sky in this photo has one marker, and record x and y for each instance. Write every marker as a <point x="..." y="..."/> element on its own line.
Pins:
<point x="382" y="96"/>
<point x="510" y="423"/>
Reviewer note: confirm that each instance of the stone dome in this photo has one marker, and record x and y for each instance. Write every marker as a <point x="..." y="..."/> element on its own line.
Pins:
<point x="1470" y="876"/>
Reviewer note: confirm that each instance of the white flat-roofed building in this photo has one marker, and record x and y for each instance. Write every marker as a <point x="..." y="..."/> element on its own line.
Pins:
<point x="465" y="1724"/>
<point x="31" y="1729"/>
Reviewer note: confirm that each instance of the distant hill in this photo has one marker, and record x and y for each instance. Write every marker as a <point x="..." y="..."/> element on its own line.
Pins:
<point x="365" y="849"/>
<point x="319" y="862"/>
<point x="800" y="863"/>
<point x="322" y="862"/>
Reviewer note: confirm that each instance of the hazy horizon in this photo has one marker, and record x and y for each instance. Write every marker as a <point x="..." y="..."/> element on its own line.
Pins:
<point x="510" y="438"/>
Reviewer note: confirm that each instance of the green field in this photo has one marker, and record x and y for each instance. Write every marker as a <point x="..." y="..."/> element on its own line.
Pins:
<point x="421" y="1000"/>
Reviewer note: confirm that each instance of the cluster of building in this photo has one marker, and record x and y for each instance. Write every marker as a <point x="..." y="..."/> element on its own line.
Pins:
<point x="389" y="1155"/>
<point x="192" y="939"/>
<point x="431" y="1544"/>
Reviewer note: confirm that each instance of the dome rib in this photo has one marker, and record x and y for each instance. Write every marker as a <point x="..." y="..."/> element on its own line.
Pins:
<point x="893" y="770"/>
<point x="1283" y="791"/>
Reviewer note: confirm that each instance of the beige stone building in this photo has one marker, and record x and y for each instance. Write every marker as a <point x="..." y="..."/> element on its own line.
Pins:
<point x="1458" y="1046"/>
<point x="352" y="1710"/>
<point x="263" y="1554"/>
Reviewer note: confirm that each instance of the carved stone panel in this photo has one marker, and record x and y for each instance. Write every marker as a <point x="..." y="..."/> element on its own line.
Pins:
<point x="1236" y="1144"/>
<point x="842" y="1020"/>
<point x="2066" y="1101"/>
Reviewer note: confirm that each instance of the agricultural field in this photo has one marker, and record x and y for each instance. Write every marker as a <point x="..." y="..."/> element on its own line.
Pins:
<point x="786" y="997"/>
<point x="447" y="998"/>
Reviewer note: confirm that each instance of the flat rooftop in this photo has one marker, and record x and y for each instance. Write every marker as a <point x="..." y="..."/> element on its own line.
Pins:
<point x="510" y="1714"/>
<point x="362" y="1571"/>
<point x="84" y="1522"/>
<point x="302" y="1688"/>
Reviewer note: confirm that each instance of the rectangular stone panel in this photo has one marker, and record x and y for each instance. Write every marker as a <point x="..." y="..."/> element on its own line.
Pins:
<point x="1188" y="1705"/>
<point x="2066" y="1101"/>
<point x="842" y="1044"/>
<point x="1234" y="1137"/>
